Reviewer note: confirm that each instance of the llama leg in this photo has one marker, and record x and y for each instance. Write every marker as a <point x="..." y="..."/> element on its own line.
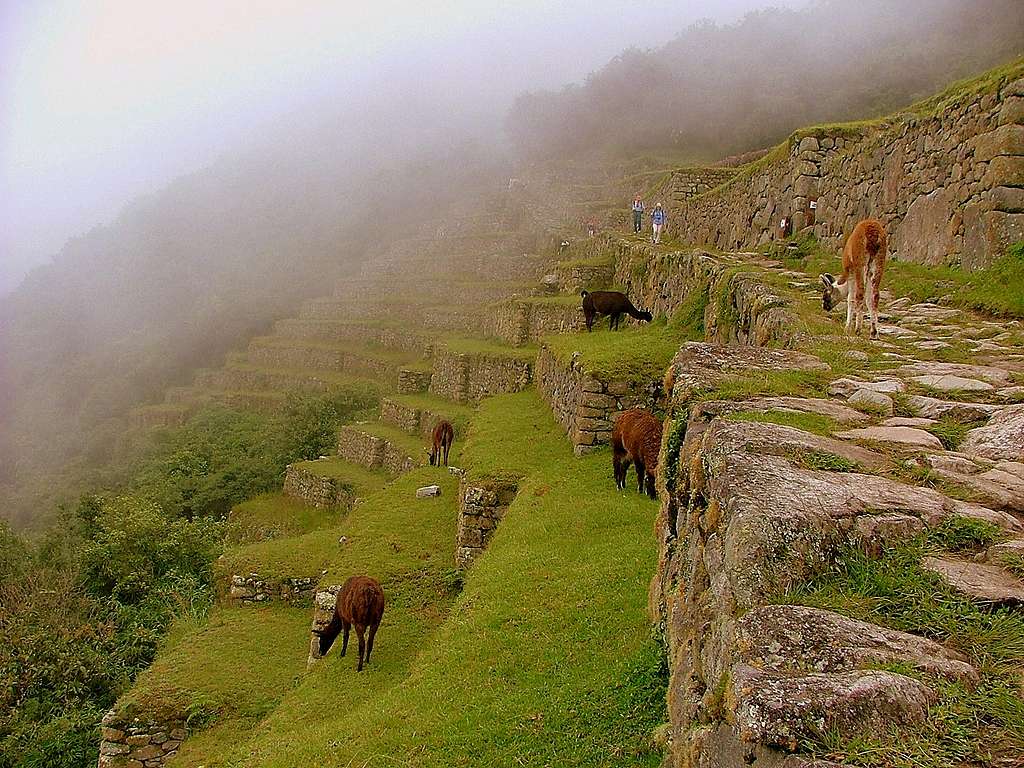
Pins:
<point x="345" y="627"/>
<point x="362" y="646"/>
<point x="859" y="301"/>
<point x="369" y="641"/>
<point x="652" y="489"/>
<point x="876" y="288"/>
<point x="849" y="312"/>
<point x="617" y="470"/>
<point x="447" y="447"/>
<point x="641" y="473"/>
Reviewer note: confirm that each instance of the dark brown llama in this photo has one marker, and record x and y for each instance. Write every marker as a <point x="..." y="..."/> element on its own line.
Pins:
<point x="611" y="303"/>
<point x="441" y="442"/>
<point x="361" y="603"/>
<point x="636" y="439"/>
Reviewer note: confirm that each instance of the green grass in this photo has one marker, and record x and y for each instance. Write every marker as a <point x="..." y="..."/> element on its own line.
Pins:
<point x="413" y="445"/>
<point x="809" y="422"/>
<point x="274" y="516"/>
<point x="368" y="351"/>
<point x="634" y="353"/>
<point x="996" y="290"/>
<point x="951" y="433"/>
<point x="371" y="522"/>
<point x="362" y="481"/>
<point x="545" y="658"/>
<point x="965" y="726"/>
<point x="823" y="460"/>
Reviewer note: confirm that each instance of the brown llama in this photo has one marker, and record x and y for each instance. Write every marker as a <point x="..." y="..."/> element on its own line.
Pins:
<point x="636" y="439"/>
<point x="612" y="303"/>
<point x="863" y="264"/>
<point x="361" y="603"/>
<point x="441" y="442"/>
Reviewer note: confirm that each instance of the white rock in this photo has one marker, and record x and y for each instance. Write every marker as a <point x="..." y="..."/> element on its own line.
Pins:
<point x="427" y="491"/>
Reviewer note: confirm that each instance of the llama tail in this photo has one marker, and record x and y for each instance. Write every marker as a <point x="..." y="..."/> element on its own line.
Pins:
<point x="329" y="634"/>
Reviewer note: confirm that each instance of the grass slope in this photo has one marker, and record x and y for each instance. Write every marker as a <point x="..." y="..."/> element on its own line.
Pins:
<point x="546" y="658"/>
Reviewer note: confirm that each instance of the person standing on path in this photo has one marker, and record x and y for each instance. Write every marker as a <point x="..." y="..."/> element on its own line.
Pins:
<point x="657" y="223"/>
<point x="638" y="214"/>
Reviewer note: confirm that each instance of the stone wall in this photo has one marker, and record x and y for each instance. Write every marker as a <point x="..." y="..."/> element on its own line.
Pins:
<point x="467" y="378"/>
<point x="320" y="491"/>
<point x="133" y="743"/>
<point x="252" y="589"/>
<point x="584" y="405"/>
<point x="948" y="185"/>
<point x="415" y="421"/>
<point x="471" y="320"/>
<point x="244" y="378"/>
<point x="321" y="359"/>
<point x="482" y="505"/>
<point x="374" y="452"/>
<point x="519" y="323"/>
<point x="323" y="611"/>
<point x="413" y="380"/>
<point x="358" y="333"/>
<point x="690" y="182"/>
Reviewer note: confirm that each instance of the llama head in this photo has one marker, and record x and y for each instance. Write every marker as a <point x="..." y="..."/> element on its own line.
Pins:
<point x="645" y="315"/>
<point x="831" y="292"/>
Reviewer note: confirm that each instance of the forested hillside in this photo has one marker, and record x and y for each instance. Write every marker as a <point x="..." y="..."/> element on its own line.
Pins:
<point x="721" y="90"/>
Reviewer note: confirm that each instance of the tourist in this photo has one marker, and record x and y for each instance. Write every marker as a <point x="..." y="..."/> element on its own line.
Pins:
<point x="638" y="214"/>
<point x="657" y="223"/>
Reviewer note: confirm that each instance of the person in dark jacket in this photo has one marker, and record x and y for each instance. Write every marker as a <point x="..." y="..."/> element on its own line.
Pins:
<point x="638" y="214"/>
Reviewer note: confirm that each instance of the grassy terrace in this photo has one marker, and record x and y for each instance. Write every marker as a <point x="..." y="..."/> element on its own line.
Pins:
<point x="362" y="481"/>
<point x="544" y="659"/>
<point x="413" y="445"/>
<point x="459" y="414"/>
<point x="369" y="351"/>
<point x="273" y="516"/>
<point x="634" y="353"/>
<point x="331" y="378"/>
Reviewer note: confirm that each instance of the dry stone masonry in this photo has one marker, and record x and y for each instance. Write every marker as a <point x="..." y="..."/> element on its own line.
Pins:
<point x="133" y="743"/>
<point x="374" y="452"/>
<point x="482" y="505"/>
<point x="320" y="491"/>
<point x="467" y="378"/>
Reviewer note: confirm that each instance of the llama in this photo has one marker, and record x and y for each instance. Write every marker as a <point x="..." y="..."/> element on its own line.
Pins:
<point x="441" y="442"/>
<point x="636" y="439"/>
<point x="611" y="303"/>
<point x="863" y="265"/>
<point x="361" y="603"/>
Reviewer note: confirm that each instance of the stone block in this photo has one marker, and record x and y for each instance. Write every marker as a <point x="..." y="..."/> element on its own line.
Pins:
<point x="925" y="235"/>
<point x="806" y="186"/>
<point x="1005" y="171"/>
<point x="1012" y="110"/>
<point x="987" y="235"/>
<point x="808" y="144"/>
<point x="428" y="491"/>
<point x="1007" y="199"/>
<point x="1005" y="140"/>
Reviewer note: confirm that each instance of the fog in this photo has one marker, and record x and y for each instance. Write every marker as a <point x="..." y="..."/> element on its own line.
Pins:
<point x="102" y="102"/>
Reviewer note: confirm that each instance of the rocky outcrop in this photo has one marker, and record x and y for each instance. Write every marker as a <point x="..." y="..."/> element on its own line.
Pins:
<point x="747" y="515"/>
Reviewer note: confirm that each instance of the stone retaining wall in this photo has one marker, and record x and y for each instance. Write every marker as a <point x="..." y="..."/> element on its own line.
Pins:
<point x="415" y="421"/>
<point x="261" y="379"/>
<point x="519" y="323"/>
<point x="321" y="359"/>
<point x="948" y="185"/>
<point x="253" y="589"/>
<point x="374" y="452"/>
<point x="134" y="743"/>
<point x="482" y="505"/>
<point x="470" y="320"/>
<point x="585" y="406"/>
<point x="322" y="330"/>
<point x="690" y="182"/>
<point x="323" y="611"/>
<point x="467" y="378"/>
<point x="413" y="380"/>
<point x="318" y="491"/>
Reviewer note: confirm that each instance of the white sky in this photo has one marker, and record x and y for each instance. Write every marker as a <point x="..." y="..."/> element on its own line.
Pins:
<point x="101" y="100"/>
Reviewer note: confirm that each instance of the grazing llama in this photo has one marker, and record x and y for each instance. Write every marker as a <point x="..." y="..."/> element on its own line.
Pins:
<point x="611" y="303"/>
<point x="361" y="603"/>
<point x="636" y="439"/>
<point x="441" y="443"/>
<point x="863" y="266"/>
